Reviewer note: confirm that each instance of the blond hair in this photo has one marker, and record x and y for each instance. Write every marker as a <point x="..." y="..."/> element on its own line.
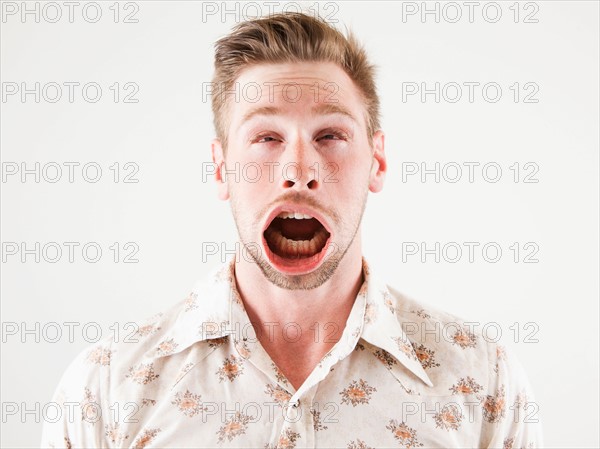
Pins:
<point x="289" y="37"/>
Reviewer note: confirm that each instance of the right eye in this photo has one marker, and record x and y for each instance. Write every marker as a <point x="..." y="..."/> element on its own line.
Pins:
<point x="266" y="137"/>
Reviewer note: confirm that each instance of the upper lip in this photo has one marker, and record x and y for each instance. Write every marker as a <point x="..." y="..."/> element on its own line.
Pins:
<point x="296" y="207"/>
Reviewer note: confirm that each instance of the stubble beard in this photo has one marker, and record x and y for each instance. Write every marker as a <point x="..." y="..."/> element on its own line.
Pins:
<point x="306" y="281"/>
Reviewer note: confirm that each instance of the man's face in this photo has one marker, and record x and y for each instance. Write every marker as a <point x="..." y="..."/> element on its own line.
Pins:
<point x="298" y="168"/>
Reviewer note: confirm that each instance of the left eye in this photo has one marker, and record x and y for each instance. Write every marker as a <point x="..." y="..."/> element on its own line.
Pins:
<point x="331" y="136"/>
<point x="267" y="139"/>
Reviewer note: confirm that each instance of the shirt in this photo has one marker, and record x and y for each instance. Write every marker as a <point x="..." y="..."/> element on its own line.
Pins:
<point x="401" y="376"/>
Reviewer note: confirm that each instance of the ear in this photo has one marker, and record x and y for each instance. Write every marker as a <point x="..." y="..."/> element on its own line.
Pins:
<point x="219" y="160"/>
<point x="379" y="167"/>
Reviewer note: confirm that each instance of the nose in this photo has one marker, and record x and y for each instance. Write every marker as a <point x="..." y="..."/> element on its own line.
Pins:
<point x="300" y="168"/>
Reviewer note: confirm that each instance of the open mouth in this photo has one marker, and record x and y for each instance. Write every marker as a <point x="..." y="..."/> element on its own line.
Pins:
<point x="294" y="235"/>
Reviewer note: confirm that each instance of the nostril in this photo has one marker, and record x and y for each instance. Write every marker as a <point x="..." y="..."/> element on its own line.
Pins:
<point x="287" y="183"/>
<point x="312" y="184"/>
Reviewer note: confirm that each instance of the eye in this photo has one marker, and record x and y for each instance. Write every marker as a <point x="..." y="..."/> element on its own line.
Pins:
<point x="333" y="135"/>
<point x="265" y="138"/>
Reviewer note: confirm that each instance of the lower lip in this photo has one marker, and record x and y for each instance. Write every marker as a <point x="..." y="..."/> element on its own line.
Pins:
<point x="295" y="266"/>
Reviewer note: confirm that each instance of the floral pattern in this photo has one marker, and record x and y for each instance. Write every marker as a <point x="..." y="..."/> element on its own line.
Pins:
<point x="500" y="356"/>
<point x="148" y="402"/>
<point x="216" y="342"/>
<point x="385" y="357"/>
<point x="425" y="356"/>
<point x="142" y="374"/>
<point x="191" y="302"/>
<point x="407" y="436"/>
<point x="421" y="313"/>
<point x="145" y="438"/>
<point x="359" y="444"/>
<point x="388" y="300"/>
<point x="466" y="386"/>
<point x="232" y="368"/>
<point x="148" y="329"/>
<point x="494" y="406"/>
<point x="358" y="392"/>
<point x="181" y="386"/>
<point x="464" y="339"/>
<point x="287" y="440"/>
<point x="278" y="394"/>
<point x="406" y="347"/>
<point x="100" y="356"/>
<point x="278" y="374"/>
<point x="449" y="417"/>
<point x="234" y="426"/>
<point x="166" y="347"/>
<point x="89" y="407"/>
<point x="317" y="424"/>
<point x="370" y="312"/>
<point x="242" y="349"/>
<point x="188" y="403"/>
<point x="112" y="433"/>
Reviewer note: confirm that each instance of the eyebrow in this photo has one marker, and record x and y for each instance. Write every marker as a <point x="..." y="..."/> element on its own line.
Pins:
<point x="263" y="110"/>
<point x="321" y="109"/>
<point x="332" y="108"/>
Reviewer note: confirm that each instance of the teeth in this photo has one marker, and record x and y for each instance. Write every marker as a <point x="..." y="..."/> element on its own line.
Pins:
<point x="296" y="215"/>
<point x="312" y="246"/>
<point x="298" y="248"/>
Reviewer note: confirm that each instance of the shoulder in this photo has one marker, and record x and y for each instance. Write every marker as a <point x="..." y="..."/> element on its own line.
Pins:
<point x="161" y="340"/>
<point x="124" y="344"/>
<point x="119" y="375"/>
<point x="453" y="350"/>
<point x="466" y="357"/>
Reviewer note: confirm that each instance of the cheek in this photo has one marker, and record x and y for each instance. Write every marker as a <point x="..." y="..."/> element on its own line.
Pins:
<point x="244" y="174"/>
<point x="352" y="174"/>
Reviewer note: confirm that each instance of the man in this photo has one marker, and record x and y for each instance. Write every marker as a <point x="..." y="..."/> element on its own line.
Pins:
<point x="295" y="343"/>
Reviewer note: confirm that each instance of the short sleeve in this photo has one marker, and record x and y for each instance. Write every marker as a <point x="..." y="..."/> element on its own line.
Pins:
<point x="511" y="411"/>
<point x="78" y="400"/>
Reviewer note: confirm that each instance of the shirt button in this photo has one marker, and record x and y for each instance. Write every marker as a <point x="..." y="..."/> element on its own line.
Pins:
<point x="296" y="404"/>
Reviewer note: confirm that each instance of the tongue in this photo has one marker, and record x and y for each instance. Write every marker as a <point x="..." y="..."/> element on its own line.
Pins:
<point x="299" y="229"/>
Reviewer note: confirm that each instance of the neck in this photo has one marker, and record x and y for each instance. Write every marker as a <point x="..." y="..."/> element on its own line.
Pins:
<point x="330" y="302"/>
<point x="318" y="315"/>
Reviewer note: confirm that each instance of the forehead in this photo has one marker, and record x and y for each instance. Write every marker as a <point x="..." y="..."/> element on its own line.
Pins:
<point x="292" y="88"/>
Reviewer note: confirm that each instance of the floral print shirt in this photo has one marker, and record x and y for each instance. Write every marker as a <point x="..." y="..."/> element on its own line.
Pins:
<point x="196" y="376"/>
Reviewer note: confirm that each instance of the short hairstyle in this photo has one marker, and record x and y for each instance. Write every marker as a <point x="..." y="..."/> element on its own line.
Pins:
<point x="289" y="37"/>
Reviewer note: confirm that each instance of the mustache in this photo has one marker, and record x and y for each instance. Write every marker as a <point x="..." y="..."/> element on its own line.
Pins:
<point x="301" y="199"/>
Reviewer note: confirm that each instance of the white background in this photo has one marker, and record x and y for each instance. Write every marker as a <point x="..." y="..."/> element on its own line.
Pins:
<point x="170" y="212"/>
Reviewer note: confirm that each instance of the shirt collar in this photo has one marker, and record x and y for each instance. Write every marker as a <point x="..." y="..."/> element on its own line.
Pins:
<point x="208" y="313"/>
<point x="382" y="326"/>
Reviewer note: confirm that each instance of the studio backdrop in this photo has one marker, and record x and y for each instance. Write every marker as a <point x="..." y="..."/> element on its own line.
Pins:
<point x="489" y="211"/>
